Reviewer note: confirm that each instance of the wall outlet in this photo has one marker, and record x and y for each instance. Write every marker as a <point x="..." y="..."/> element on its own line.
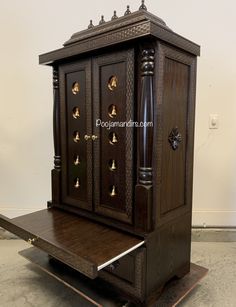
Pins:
<point x="213" y="121"/>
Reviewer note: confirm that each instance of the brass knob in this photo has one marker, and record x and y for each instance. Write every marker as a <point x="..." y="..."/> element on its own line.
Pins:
<point x="31" y="241"/>
<point x="114" y="265"/>
<point x="94" y="137"/>
<point x="87" y="137"/>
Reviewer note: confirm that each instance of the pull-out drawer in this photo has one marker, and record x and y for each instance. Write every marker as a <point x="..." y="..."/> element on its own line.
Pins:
<point x="128" y="273"/>
<point x="80" y="243"/>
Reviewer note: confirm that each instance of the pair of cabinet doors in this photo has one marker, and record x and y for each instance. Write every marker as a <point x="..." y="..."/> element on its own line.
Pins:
<point x="97" y="162"/>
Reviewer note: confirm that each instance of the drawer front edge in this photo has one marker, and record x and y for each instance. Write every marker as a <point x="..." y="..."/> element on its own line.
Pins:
<point x="78" y="263"/>
<point x="136" y="289"/>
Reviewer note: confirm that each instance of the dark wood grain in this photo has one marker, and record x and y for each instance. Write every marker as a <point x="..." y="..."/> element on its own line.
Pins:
<point x="129" y="277"/>
<point x="144" y="208"/>
<point x="168" y="253"/>
<point x="177" y="289"/>
<point x="136" y="25"/>
<point x="121" y="65"/>
<point x="69" y="73"/>
<point x="147" y="196"/>
<point x="56" y="120"/>
<point x="69" y="237"/>
<point x="99" y="293"/>
<point x="175" y="108"/>
<point x="143" y="188"/>
<point x="92" y="292"/>
<point x="133" y="18"/>
<point x="34" y="237"/>
<point x="173" y="170"/>
<point x="56" y="172"/>
<point x="146" y="118"/>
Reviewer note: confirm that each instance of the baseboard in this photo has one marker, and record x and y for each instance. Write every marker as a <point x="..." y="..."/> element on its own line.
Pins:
<point x="207" y="218"/>
<point x="213" y="235"/>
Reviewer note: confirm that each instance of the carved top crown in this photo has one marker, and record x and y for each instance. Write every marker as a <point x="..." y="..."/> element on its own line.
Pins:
<point x="116" y="22"/>
<point x="116" y="30"/>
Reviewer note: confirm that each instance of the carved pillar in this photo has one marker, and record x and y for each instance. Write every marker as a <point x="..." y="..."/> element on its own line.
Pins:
<point x="143" y="189"/>
<point x="146" y="116"/>
<point x="56" y="172"/>
<point x="56" y="120"/>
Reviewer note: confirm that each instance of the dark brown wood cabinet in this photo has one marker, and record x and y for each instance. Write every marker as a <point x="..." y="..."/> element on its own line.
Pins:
<point x="121" y="195"/>
<point x="93" y="162"/>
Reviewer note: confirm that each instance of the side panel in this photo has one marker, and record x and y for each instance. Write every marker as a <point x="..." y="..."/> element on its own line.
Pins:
<point x="173" y="148"/>
<point x="113" y="79"/>
<point x="175" y="108"/>
<point x="168" y="253"/>
<point x="75" y="98"/>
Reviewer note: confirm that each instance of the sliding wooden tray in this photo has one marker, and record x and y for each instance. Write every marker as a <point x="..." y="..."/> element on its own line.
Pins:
<point x="78" y="242"/>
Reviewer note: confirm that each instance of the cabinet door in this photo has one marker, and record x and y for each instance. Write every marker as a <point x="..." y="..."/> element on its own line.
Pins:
<point x="113" y="89"/>
<point x="75" y="98"/>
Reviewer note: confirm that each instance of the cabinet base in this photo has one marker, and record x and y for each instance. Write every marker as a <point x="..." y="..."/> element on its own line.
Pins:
<point x="102" y="294"/>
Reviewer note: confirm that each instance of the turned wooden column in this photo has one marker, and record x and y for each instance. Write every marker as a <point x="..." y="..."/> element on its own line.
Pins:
<point x="146" y="117"/>
<point x="56" y="172"/>
<point x="143" y="189"/>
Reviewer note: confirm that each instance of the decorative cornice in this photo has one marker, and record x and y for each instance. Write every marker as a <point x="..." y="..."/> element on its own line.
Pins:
<point x="115" y="23"/>
<point x="125" y="28"/>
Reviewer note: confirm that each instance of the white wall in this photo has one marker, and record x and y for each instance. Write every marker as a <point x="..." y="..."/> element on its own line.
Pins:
<point x="29" y="28"/>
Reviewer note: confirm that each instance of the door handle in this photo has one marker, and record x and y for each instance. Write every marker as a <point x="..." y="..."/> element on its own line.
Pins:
<point x="87" y="137"/>
<point x="94" y="137"/>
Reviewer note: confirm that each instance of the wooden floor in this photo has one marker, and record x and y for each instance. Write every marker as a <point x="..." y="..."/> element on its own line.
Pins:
<point x="99" y="293"/>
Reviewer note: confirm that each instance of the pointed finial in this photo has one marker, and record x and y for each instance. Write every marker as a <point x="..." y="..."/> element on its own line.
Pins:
<point x="143" y="6"/>
<point x="90" y="26"/>
<point x="114" y="16"/>
<point x="127" y="12"/>
<point x="102" y="20"/>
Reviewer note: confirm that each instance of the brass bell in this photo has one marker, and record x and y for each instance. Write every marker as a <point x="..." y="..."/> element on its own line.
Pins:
<point x="77" y="160"/>
<point x="75" y="88"/>
<point x="77" y="183"/>
<point x="114" y="138"/>
<point x="113" y="165"/>
<point x="76" y="113"/>
<point x="77" y="137"/>
<point x="112" y="83"/>
<point x="113" y="191"/>
<point x="113" y="111"/>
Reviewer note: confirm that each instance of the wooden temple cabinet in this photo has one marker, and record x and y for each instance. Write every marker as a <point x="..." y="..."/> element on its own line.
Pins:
<point x="121" y="197"/>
